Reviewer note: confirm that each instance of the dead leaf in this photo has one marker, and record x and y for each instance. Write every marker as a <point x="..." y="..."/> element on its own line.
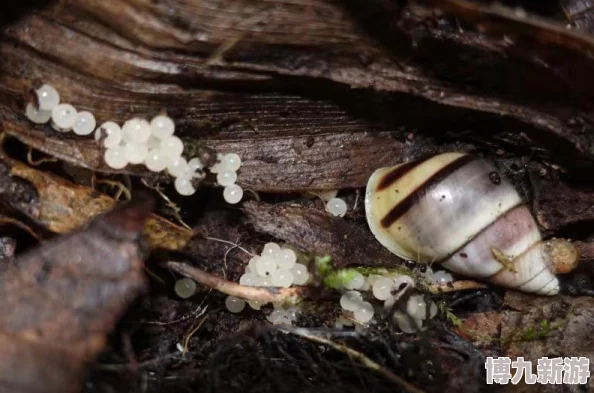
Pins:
<point x="61" y="299"/>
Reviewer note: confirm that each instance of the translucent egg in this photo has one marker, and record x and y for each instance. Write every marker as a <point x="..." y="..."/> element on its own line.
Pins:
<point x="256" y="305"/>
<point x="63" y="117"/>
<point x="442" y="277"/>
<point x="265" y="266"/>
<point x="178" y="167"/>
<point x="37" y="116"/>
<point x="336" y="207"/>
<point x="111" y="132"/>
<point x="195" y="164"/>
<point x="251" y="267"/>
<point x="172" y="146"/>
<point x="155" y="161"/>
<point x="281" y="278"/>
<point x="271" y="249"/>
<point x="84" y="123"/>
<point x="300" y="274"/>
<point x="286" y="258"/>
<point x="231" y="162"/>
<point x="382" y="288"/>
<point x="351" y="300"/>
<point x="226" y="178"/>
<point x="115" y="157"/>
<point x="263" y="282"/>
<point x="137" y="131"/>
<point x="162" y="126"/>
<point x="248" y="279"/>
<point x="356" y="282"/>
<point x="136" y="153"/>
<point x="364" y="312"/>
<point x="47" y="97"/>
<point x="276" y="315"/>
<point x="184" y="186"/>
<point x="401" y="281"/>
<point x="405" y="323"/>
<point x="416" y="307"/>
<point x="185" y="288"/>
<point x="234" y="304"/>
<point x="429" y="275"/>
<point x="216" y="168"/>
<point x="232" y="194"/>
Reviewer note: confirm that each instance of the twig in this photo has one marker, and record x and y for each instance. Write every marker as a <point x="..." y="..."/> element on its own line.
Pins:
<point x="146" y="363"/>
<point x="122" y="189"/>
<point x="462" y="285"/>
<point x="261" y="294"/>
<point x="23" y="226"/>
<point x="353" y="354"/>
<point x="216" y="239"/>
<point x="32" y="162"/>
<point x="169" y="203"/>
<point x="199" y="310"/>
<point x="189" y="335"/>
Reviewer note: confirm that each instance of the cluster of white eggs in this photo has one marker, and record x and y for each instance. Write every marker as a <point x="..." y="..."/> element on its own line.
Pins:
<point x="276" y="266"/>
<point x="137" y="141"/>
<point x="226" y="169"/>
<point x="383" y="288"/>
<point x="64" y="117"/>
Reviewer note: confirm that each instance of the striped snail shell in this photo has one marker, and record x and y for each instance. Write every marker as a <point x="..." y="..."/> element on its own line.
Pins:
<point x="455" y="209"/>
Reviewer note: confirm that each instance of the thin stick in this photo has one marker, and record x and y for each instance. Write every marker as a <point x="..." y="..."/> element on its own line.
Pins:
<point x="454" y="286"/>
<point x="261" y="294"/>
<point x="353" y="354"/>
<point x="216" y="239"/>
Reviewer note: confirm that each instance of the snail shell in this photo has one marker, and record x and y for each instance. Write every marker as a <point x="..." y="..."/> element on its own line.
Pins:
<point x="455" y="209"/>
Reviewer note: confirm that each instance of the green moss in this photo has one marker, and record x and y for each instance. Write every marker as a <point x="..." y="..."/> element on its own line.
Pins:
<point x="339" y="278"/>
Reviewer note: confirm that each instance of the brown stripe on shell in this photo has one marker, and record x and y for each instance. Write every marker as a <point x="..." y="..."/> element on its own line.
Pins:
<point x="401" y="208"/>
<point x="395" y="174"/>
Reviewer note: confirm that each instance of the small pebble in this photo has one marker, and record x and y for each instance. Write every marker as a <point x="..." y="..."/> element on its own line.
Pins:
<point x="37" y="116"/>
<point x="281" y="278"/>
<point x="184" y="186"/>
<point x="234" y="304"/>
<point x="47" y="97"/>
<point x="351" y="300"/>
<point x="185" y="288"/>
<point x="111" y="132"/>
<point x="115" y="157"/>
<point x="337" y="207"/>
<point x="63" y="117"/>
<point x="232" y="194"/>
<point x="136" y="153"/>
<point x="382" y="288"/>
<point x="356" y="282"/>
<point x="364" y="312"/>
<point x="137" y="131"/>
<point x="300" y="274"/>
<point x="162" y="127"/>
<point x="226" y="178"/>
<point x="84" y="124"/>
<point x="231" y="162"/>
<point x="155" y="161"/>
<point x="265" y="266"/>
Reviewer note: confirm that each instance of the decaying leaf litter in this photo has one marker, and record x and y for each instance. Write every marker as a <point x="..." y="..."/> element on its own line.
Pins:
<point x="312" y="96"/>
